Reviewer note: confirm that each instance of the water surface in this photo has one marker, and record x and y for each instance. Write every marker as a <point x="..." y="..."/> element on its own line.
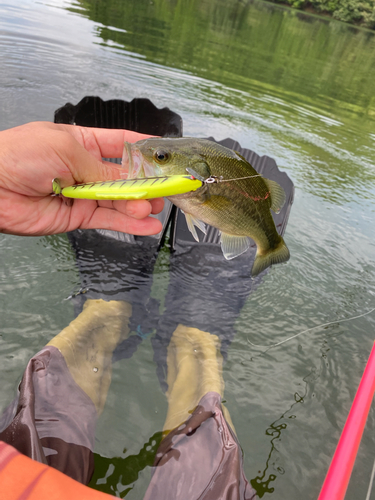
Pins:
<point x="295" y="87"/>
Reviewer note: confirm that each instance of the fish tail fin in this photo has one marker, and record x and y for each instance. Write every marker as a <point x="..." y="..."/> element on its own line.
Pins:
<point x="279" y="253"/>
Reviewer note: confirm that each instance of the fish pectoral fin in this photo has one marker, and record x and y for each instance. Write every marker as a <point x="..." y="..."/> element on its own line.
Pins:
<point x="277" y="195"/>
<point x="232" y="246"/>
<point x="191" y="222"/>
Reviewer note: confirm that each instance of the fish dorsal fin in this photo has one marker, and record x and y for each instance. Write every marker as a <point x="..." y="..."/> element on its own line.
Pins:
<point x="191" y="222"/>
<point x="277" y="195"/>
<point x="232" y="246"/>
<point x="242" y="157"/>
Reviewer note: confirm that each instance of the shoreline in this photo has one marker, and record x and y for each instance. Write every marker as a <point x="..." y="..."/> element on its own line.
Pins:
<point x="364" y="18"/>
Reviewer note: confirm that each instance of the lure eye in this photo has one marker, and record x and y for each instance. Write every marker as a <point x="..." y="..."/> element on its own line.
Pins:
<point x="161" y="156"/>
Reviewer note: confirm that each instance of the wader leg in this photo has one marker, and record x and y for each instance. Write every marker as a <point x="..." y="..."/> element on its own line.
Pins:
<point x="194" y="368"/>
<point x="88" y="342"/>
<point x="64" y="388"/>
<point x="199" y="456"/>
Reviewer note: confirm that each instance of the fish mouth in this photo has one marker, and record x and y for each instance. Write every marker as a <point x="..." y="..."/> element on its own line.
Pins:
<point x="136" y="164"/>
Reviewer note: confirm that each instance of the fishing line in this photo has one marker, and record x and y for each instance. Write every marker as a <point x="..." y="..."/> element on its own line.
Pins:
<point x="313" y="328"/>
<point x="212" y="179"/>
<point x="371" y="482"/>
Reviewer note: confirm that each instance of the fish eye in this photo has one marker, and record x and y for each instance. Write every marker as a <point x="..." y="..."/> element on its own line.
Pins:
<point x="161" y="156"/>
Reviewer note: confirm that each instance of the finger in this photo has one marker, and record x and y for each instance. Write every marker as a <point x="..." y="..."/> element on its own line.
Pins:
<point x="157" y="205"/>
<point x="86" y="168"/>
<point x="114" y="220"/>
<point x="139" y="209"/>
<point x="110" y="141"/>
<point x="105" y="203"/>
<point x="135" y="208"/>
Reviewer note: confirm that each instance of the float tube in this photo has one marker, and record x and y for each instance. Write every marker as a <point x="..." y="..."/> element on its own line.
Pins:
<point x="337" y="479"/>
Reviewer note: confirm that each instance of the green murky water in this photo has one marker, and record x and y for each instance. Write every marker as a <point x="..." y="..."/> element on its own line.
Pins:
<point x="295" y="87"/>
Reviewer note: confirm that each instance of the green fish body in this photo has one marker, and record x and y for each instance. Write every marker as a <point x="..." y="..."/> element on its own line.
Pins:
<point x="237" y="202"/>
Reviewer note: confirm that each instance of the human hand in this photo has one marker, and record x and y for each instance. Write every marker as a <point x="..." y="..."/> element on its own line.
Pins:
<point x="32" y="155"/>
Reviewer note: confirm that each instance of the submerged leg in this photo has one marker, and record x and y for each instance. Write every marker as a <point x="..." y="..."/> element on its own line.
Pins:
<point x="88" y="342"/>
<point x="64" y="388"/>
<point x="199" y="456"/>
<point x="194" y="369"/>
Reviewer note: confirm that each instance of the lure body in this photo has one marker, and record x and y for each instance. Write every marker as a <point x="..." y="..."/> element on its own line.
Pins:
<point x="130" y="189"/>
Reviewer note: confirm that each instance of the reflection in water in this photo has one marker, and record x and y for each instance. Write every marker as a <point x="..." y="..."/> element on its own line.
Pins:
<point x="233" y="42"/>
<point x="261" y="483"/>
<point x="287" y="67"/>
<point x="118" y="475"/>
<point x="285" y="84"/>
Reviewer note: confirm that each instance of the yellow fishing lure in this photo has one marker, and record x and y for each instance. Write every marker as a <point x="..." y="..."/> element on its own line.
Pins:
<point x="130" y="189"/>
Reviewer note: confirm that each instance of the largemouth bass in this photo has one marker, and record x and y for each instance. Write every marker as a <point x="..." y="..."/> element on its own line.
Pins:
<point x="234" y="197"/>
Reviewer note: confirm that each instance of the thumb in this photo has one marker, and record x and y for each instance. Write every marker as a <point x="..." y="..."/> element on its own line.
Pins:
<point x="85" y="167"/>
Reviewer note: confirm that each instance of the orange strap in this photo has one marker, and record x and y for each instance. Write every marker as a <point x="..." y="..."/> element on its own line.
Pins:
<point x="24" y="479"/>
